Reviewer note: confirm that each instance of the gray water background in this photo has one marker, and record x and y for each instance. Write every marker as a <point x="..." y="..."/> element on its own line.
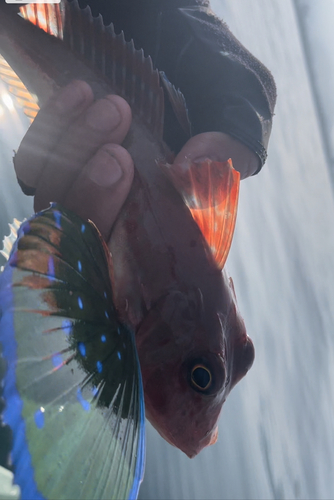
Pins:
<point x="276" y="432"/>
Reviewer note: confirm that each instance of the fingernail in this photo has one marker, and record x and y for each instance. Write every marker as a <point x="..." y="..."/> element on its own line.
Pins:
<point x="70" y="97"/>
<point x="106" y="170"/>
<point x="103" y="116"/>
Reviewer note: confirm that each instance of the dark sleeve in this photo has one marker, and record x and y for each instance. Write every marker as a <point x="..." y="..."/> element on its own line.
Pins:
<point x="226" y="88"/>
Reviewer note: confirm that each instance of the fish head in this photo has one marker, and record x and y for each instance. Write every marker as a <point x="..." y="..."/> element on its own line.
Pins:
<point x="192" y="349"/>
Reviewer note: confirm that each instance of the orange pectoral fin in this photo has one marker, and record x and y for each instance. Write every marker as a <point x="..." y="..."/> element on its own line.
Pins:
<point x="210" y="189"/>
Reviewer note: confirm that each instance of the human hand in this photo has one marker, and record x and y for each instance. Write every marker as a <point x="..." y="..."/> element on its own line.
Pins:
<point x="71" y="154"/>
<point x="218" y="146"/>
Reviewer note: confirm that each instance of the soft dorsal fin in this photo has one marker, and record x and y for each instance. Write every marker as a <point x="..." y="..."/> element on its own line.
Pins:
<point x="210" y="190"/>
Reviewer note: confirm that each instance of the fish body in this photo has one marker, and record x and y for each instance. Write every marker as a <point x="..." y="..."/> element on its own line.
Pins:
<point x="167" y="286"/>
<point x="184" y="312"/>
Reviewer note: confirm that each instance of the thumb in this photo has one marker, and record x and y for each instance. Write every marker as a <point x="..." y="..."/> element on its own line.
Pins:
<point x="100" y="190"/>
<point x="220" y="147"/>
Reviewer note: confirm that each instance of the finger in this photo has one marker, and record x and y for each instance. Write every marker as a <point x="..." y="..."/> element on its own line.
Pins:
<point x="50" y="123"/>
<point x="100" y="190"/>
<point x="218" y="146"/>
<point x="107" y="120"/>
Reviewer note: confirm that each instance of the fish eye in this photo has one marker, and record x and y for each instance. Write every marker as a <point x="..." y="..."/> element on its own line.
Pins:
<point x="205" y="373"/>
<point x="201" y="378"/>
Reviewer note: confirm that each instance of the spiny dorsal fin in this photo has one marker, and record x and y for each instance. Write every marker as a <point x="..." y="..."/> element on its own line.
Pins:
<point x="210" y="190"/>
<point x="9" y="240"/>
<point x="129" y="72"/>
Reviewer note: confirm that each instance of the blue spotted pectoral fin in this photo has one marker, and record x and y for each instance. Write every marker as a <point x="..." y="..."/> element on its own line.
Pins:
<point x="72" y="389"/>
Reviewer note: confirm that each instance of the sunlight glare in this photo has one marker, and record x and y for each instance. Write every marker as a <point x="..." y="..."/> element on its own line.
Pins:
<point x="8" y="101"/>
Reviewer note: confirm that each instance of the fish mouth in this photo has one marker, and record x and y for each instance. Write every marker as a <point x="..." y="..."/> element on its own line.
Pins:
<point x="190" y="445"/>
<point x="191" y="450"/>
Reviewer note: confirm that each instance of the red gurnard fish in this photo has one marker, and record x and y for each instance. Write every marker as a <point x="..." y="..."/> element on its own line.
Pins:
<point x="171" y="239"/>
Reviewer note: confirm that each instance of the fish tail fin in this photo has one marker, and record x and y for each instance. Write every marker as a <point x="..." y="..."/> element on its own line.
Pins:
<point x="46" y="16"/>
<point x="17" y="89"/>
<point x="50" y="18"/>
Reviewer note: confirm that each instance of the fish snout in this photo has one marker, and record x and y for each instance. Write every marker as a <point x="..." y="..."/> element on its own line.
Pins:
<point x="192" y="450"/>
<point x="183" y="399"/>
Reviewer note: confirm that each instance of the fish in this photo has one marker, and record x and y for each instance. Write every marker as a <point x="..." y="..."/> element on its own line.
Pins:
<point x="72" y="387"/>
<point x="171" y="239"/>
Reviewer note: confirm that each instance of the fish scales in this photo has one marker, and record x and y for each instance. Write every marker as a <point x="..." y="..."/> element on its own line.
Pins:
<point x="191" y="340"/>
